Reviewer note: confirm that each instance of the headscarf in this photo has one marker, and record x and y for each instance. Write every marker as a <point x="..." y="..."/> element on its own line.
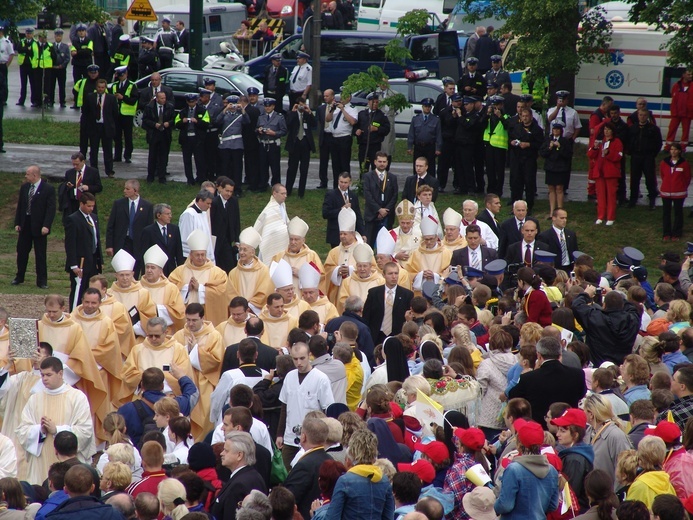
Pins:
<point x="453" y="419"/>
<point x="396" y="361"/>
<point x="429" y="350"/>
<point x="387" y="446"/>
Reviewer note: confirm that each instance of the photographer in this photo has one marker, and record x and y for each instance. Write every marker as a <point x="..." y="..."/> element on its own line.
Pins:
<point x="231" y="120"/>
<point x="610" y="330"/>
<point x="300" y="123"/>
<point x="495" y="123"/>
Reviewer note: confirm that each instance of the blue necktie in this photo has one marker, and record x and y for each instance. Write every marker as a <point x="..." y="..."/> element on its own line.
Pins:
<point x="132" y="219"/>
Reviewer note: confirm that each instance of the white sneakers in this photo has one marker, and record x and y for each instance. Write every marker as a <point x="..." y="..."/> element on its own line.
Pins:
<point x="598" y="221"/>
<point x="610" y="222"/>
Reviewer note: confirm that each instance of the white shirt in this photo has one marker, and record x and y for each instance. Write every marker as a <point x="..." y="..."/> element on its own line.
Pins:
<point x="572" y="120"/>
<point x="190" y="220"/>
<point x="343" y="126"/>
<point x="301" y="77"/>
<point x="486" y="233"/>
<point x="6" y="49"/>
<point x="523" y="252"/>
<point x="258" y="431"/>
<point x="315" y="393"/>
<point x="471" y="257"/>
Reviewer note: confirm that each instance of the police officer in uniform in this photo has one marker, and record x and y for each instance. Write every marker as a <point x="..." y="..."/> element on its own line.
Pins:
<point x="371" y="128"/>
<point x="121" y="56"/>
<point x="251" y="145"/>
<point x="59" y="76"/>
<point x="497" y="74"/>
<point x="82" y="88"/>
<point x="192" y="121"/>
<point x="495" y="123"/>
<point x="448" y="127"/>
<point x="472" y="83"/>
<point x="301" y="78"/>
<point x="82" y="51"/>
<point x="28" y="55"/>
<point x="214" y="105"/>
<point x="275" y="81"/>
<point x="271" y="127"/>
<point x="425" y="138"/>
<point x="166" y="43"/>
<point x="232" y="121"/>
<point x="148" y="59"/>
<point x="44" y="73"/>
<point x="127" y="95"/>
<point x="465" y="140"/>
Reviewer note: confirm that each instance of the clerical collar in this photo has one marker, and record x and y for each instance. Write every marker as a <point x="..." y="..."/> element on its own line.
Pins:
<point x="59" y="320"/>
<point x="198" y="210"/>
<point x="57" y="391"/>
<point x="249" y="264"/>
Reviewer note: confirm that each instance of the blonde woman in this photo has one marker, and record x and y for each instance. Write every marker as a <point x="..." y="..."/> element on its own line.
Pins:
<point x="171" y="495"/>
<point x="115" y="479"/>
<point x="679" y="314"/>
<point x="652" y="350"/>
<point x="651" y="480"/>
<point x="607" y="437"/>
<point x="463" y="338"/>
<point x="409" y="389"/>
<point x="116" y="432"/>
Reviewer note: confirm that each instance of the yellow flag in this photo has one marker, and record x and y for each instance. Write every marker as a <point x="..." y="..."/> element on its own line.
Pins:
<point x="670" y="417"/>
<point x="427" y="410"/>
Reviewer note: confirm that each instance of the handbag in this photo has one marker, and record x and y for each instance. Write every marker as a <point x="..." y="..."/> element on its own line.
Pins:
<point x="278" y="472"/>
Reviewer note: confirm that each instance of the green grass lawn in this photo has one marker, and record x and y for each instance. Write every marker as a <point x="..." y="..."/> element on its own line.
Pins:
<point x="636" y="227"/>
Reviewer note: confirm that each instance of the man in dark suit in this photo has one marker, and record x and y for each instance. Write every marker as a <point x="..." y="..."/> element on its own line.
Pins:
<point x="251" y="146"/>
<point x="372" y="126"/>
<point x="82" y="247"/>
<point x="300" y="122"/>
<point x="333" y="203"/>
<point x="490" y="214"/>
<point x="510" y="100"/>
<point x="240" y="418"/>
<point x="225" y="217"/>
<point x="550" y="382"/>
<point x="523" y="251"/>
<point x="387" y="299"/>
<point x="165" y="235"/>
<point x="129" y="216"/>
<point x="100" y="113"/>
<point x="324" y="135"/>
<point x="158" y="119"/>
<point x="78" y="179"/>
<point x="510" y="228"/>
<point x="420" y="178"/>
<point x="33" y="220"/>
<point x="302" y="480"/>
<point x="147" y="95"/>
<point x="474" y="254"/>
<point x="239" y="452"/>
<point x="183" y="36"/>
<point x="266" y="355"/>
<point x="562" y="241"/>
<point x="380" y="190"/>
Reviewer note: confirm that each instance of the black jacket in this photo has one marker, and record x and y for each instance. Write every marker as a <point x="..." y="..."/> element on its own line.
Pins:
<point x="266" y="356"/>
<point x="302" y="480"/>
<point x="331" y="207"/>
<point x="609" y="333"/>
<point x="448" y="123"/>
<point x="645" y="140"/>
<point x="235" y="490"/>
<point x="42" y="207"/>
<point x="282" y="82"/>
<point x="486" y="217"/>
<point x="292" y="120"/>
<point x="364" y="339"/>
<point x="409" y="191"/>
<point x="551" y="239"/>
<point x="477" y="84"/>
<point x="374" y="309"/>
<point x="509" y="234"/>
<point x="576" y="466"/>
<point x="377" y="199"/>
<point x="364" y="122"/>
<point x="91" y="178"/>
<point x="469" y="128"/>
<point x="146" y="95"/>
<point x="461" y="256"/>
<point x="200" y="128"/>
<point x="79" y="243"/>
<point x="151" y="118"/>
<point x="532" y="134"/>
<point x="226" y="222"/>
<point x="557" y="159"/>
<point x="173" y="248"/>
<point x="109" y="110"/>
<point x="119" y="222"/>
<point x="516" y="252"/>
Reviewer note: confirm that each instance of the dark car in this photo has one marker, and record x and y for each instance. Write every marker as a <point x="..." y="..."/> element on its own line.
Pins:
<point x="51" y="19"/>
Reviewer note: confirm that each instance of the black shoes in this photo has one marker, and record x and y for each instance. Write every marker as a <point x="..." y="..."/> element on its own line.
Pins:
<point x="17" y="282"/>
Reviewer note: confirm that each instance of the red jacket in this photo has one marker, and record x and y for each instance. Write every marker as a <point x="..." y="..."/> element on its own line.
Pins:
<point x="538" y="308"/>
<point x="607" y="166"/>
<point x="681" y="101"/>
<point x="675" y="179"/>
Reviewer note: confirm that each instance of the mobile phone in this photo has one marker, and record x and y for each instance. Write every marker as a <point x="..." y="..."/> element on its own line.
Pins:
<point x="572" y="275"/>
<point x="166" y="368"/>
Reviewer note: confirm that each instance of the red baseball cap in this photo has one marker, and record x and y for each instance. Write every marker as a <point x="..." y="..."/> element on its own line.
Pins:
<point x="422" y="468"/>
<point x="529" y="433"/>
<point x="472" y="438"/>
<point x="555" y="461"/>
<point x="571" y="417"/>
<point x="436" y="451"/>
<point x="669" y="432"/>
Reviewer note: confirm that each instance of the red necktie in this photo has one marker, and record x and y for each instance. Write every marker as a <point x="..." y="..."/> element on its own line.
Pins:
<point x="528" y="255"/>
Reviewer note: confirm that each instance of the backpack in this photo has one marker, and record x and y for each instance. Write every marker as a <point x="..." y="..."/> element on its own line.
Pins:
<point x="148" y="424"/>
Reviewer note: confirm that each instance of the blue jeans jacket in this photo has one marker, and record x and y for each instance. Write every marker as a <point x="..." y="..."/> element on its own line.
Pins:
<point x="525" y="496"/>
<point x="358" y="498"/>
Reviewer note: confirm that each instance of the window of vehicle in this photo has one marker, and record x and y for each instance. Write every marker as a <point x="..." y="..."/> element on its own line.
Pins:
<point x="226" y="88"/>
<point x="371" y="3"/>
<point x="243" y="81"/>
<point x="373" y="49"/>
<point x="424" y="49"/>
<point x="449" y="5"/>
<point x="291" y="48"/>
<point x="332" y="49"/>
<point x="215" y="23"/>
<point x="401" y="88"/>
<point x="423" y="91"/>
<point x="181" y="82"/>
<point x="671" y="76"/>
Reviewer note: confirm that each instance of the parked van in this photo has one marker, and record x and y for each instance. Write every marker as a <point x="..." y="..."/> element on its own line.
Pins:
<point x="383" y="15"/>
<point x="349" y="52"/>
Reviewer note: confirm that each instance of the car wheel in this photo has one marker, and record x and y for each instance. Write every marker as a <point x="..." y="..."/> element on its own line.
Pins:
<point x="137" y="121"/>
<point x="57" y="22"/>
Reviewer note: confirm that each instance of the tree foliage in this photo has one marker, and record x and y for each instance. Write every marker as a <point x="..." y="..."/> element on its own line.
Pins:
<point x="83" y="10"/>
<point x="16" y="10"/>
<point x="554" y="37"/>
<point x="674" y="17"/>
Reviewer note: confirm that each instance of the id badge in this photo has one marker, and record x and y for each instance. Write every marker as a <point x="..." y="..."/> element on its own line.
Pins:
<point x="382" y="197"/>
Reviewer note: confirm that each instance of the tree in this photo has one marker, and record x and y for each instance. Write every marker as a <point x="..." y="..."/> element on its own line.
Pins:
<point x="672" y="17"/>
<point x="82" y="10"/>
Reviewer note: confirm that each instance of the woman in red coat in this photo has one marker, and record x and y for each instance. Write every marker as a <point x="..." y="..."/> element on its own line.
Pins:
<point x="676" y="176"/>
<point x="606" y="173"/>
<point x="535" y="303"/>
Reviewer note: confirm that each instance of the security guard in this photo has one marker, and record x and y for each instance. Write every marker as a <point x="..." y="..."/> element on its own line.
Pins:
<point x="214" y="105"/>
<point x="448" y="127"/>
<point x="166" y="43"/>
<point x="497" y="74"/>
<point x="44" y="72"/>
<point x="495" y="144"/>
<point x="127" y="95"/>
<point x="300" y="79"/>
<point x="192" y="121"/>
<point x="275" y="81"/>
<point x="528" y="100"/>
<point x="62" y="60"/>
<point x="148" y="59"/>
<point x="271" y="127"/>
<point x="372" y="126"/>
<point x="472" y="83"/>
<point x="445" y="98"/>
<point x="28" y="56"/>
<point x="232" y="120"/>
<point x="82" y="51"/>
<point x="465" y="141"/>
<point x="425" y="138"/>
<point x="251" y="145"/>
<point x="121" y="57"/>
<point x="300" y="122"/>
<point x="83" y="87"/>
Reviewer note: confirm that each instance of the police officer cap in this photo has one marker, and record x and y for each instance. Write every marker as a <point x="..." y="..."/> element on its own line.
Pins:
<point x="29" y="30"/>
<point x="471" y="272"/>
<point x="496" y="99"/>
<point x="427" y="101"/>
<point x="205" y="92"/>
<point x="191" y="96"/>
<point x="689" y="249"/>
<point x="124" y="38"/>
<point x="491" y="84"/>
<point x="276" y="56"/>
<point x="232" y="99"/>
<point x="578" y="254"/>
<point x="477" y="98"/>
<point x="121" y="70"/>
<point x="468" y="100"/>
<point x="557" y="123"/>
<point x="496" y="267"/>
<point x="634" y="254"/>
<point x="544" y="256"/>
<point x="166" y="19"/>
<point x="428" y="289"/>
<point x="372" y="95"/>
<point x="253" y="91"/>
<point x="526" y="97"/>
<point x="92" y="68"/>
<point x="269" y="101"/>
<point x="303" y="55"/>
<point x="146" y="39"/>
<point x="456" y="97"/>
<point x="81" y="27"/>
<point x="57" y="31"/>
<point x="496" y="57"/>
<point x="210" y="81"/>
<point x="562" y="94"/>
<point x="453" y="278"/>
<point x="472" y="61"/>
<point x="447" y="80"/>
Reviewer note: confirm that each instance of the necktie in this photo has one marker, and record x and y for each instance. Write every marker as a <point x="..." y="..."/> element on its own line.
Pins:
<point x="564" y="251"/>
<point x="32" y="190"/>
<point x="133" y="211"/>
<point x="475" y="259"/>
<point x="78" y="181"/>
<point x="336" y="120"/>
<point x="99" y="107"/>
<point x="93" y="233"/>
<point x="161" y="113"/>
<point x="519" y="226"/>
<point x="528" y="255"/>
<point x="293" y="80"/>
<point x="301" y="131"/>
<point x="346" y="197"/>
<point x="449" y="101"/>
<point x="164" y="235"/>
<point x="387" y="316"/>
<point x="425" y="118"/>
<point x="563" y="114"/>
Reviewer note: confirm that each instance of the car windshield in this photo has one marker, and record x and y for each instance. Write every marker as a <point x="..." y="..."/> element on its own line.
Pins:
<point x="243" y="81"/>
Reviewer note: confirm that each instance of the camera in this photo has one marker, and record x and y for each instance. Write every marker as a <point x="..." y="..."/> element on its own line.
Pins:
<point x="331" y="340"/>
<point x="296" y="430"/>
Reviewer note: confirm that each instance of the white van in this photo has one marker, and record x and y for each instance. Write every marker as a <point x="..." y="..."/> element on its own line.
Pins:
<point x="382" y="15"/>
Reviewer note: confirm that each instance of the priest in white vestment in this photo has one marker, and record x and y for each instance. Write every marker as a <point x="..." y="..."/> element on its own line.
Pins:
<point x="282" y="278"/>
<point x="250" y="278"/>
<point x="195" y="217"/>
<point x="385" y="244"/>
<point x="164" y="294"/>
<point x="310" y="278"/>
<point x="365" y="276"/>
<point x="408" y="236"/>
<point x="298" y="253"/>
<point x="470" y="209"/>
<point x="430" y="260"/>
<point x="130" y="293"/>
<point x="452" y="222"/>
<point x="54" y="408"/>
<point x="272" y="225"/>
